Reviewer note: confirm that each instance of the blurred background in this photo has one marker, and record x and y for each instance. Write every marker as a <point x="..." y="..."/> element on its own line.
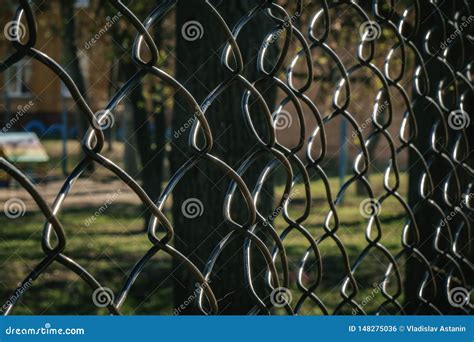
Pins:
<point x="105" y="220"/>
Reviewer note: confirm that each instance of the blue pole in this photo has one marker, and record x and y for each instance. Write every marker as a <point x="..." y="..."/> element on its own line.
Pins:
<point x="342" y="155"/>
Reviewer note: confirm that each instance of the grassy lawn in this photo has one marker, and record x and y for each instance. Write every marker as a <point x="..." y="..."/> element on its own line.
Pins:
<point x="110" y="246"/>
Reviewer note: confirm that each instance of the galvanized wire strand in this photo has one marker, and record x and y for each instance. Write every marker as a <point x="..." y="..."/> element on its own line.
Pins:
<point x="403" y="74"/>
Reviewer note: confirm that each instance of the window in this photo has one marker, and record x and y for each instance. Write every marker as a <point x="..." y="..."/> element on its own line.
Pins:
<point x="81" y="3"/>
<point x="18" y="77"/>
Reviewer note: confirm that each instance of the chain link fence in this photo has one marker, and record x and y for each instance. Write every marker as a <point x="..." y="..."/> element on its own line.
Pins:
<point x="422" y="108"/>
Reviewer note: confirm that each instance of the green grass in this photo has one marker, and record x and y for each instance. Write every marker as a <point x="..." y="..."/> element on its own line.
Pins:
<point x="114" y="242"/>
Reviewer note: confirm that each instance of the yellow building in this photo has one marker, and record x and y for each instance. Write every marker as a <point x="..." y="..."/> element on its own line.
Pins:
<point x="31" y="96"/>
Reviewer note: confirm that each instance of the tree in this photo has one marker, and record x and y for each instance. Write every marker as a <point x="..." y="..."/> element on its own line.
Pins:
<point x="150" y="143"/>
<point x="199" y="69"/>
<point x="70" y="60"/>
<point x="427" y="217"/>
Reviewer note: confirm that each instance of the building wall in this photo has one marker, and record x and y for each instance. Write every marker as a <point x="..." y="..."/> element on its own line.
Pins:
<point x="45" y="85"/>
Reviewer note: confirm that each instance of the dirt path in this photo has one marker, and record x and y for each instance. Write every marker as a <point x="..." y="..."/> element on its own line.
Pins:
<point x="84" y="193"/>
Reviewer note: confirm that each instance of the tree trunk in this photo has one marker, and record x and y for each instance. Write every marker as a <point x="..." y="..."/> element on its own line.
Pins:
<point x="200" y="71"/>
<point x="427" y="218"/>
<point x="70" y="61"/>
<point x="151" y="148"/>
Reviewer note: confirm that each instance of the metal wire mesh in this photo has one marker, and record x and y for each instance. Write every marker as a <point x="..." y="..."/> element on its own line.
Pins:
<point x="446" y="266"/>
